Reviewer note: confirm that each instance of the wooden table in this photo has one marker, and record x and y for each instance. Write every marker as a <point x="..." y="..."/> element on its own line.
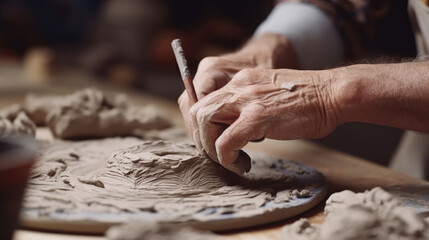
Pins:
<point x="341" y="170"/>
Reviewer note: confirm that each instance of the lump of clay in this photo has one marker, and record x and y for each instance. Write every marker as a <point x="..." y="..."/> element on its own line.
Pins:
<point x="11" y="112"/>
<point x="374" y="215"/>
<point x="154" y="231"/>
<point x="16" y="123"/>
<point x="38" y="107"/>
<point x="91" y="114"/>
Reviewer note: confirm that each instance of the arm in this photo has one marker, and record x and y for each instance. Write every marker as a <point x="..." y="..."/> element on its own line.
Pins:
<point x="254" y="104"/>
<point x="314" y="37"/>
<point x="395" y="95"/>
<point x="357" y="21"/>
<point x="276" y="44"/>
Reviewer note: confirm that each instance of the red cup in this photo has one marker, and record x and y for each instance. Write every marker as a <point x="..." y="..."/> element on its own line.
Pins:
<point x="17" y="155"/>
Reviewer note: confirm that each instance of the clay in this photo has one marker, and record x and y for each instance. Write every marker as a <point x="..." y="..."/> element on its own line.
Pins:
<point x="39" y="106"/>
<point x="374" y="215"/>
<point x="168" y="180"/>
<point x="288" y="86"/>
<point x="13" y="122"/>
<point x="91" y="114"/>
<point x="77" y="122"/>
<point x="11" y="112"/>
<point x="153" y="231"/>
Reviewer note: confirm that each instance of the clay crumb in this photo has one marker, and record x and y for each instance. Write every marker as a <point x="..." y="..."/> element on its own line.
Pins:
<point x="288" y="86"/>
<point x="304" y="193"/>
<point x="373" y="214"/>
<point x="91" y="181"/>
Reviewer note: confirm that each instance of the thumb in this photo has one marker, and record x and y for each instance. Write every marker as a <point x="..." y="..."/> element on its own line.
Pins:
<point x="247" y="127"/>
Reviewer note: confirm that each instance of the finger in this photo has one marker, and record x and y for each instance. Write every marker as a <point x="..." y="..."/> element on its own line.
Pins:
<point x="207" y="117"/>
<point x="208" y="82"/>
<point x="247" y="127"/>
<point x="210" y="130"/>
<point x="210" y="76"/>
<point x="193" y="122"/>
<point x="185" y="106"/>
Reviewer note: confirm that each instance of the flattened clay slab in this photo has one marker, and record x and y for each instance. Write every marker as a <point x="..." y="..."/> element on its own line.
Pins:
<point x="88" y="186"/>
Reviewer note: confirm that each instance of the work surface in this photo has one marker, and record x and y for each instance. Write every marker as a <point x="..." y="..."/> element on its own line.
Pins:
<point x="341" y="170"/>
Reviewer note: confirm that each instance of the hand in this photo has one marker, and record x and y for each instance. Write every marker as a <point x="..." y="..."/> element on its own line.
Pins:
<point x="265" y="51"/>
<point x="254" y="105"/>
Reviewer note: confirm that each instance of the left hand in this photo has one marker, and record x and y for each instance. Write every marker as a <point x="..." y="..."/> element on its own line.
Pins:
<point x="254" y="105"/>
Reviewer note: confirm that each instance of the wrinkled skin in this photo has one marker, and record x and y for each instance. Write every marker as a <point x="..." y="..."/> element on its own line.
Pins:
<point x="253" y="105"/>
<point x="241" y="98"/>
<point x="267" y="51"/>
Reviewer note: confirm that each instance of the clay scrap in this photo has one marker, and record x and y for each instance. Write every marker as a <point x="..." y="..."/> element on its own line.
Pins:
<point x="373" y="214"/>
<point x="14" y="121"/>
<point x="39" y="106"/>
<point x="91" y="114"/>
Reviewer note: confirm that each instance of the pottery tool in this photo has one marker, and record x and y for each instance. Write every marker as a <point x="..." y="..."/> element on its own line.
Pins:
<point x="184" y="70"/>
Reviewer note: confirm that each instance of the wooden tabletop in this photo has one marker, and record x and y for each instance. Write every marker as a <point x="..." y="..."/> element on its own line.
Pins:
<point x="341" y="170"/>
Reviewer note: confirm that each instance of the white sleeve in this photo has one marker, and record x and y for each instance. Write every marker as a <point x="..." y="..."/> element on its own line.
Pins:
<point x="315" y="39"/>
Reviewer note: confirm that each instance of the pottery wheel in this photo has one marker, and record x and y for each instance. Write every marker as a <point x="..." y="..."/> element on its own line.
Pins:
<point x="71" y="188"/>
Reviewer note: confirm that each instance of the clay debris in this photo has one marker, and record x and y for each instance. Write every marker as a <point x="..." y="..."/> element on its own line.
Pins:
<point x="157" y="231"/>
<point x="373" y="214"/>
<point x="89" y="113"/>
<point x="14" y="121"/>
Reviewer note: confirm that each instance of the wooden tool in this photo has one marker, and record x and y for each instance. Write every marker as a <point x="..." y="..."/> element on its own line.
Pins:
<point x="184" y="70"/>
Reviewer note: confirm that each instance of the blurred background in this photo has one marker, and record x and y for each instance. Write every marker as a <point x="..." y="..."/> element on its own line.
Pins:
<point x="123" y="42"/>
<point x="62" y="45"/>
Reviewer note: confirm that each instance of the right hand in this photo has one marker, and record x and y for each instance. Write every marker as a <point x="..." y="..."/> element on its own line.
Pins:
<point x="267" y="51"/>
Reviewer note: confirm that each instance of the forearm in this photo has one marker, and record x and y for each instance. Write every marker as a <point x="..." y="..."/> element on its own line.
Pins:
<point x="395" y="95"/>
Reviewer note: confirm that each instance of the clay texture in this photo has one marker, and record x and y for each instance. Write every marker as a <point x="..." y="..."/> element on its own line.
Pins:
<point x="374" y="215"/>
<point x="153" y="231"/>
<point x="14" y="121"/>
<point x="91" y="114"/>
<point x="168" y="180"/>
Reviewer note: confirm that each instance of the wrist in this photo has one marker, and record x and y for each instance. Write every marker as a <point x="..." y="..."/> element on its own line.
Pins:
<point x="349" y="92"/>
<point x="271" y="51"/>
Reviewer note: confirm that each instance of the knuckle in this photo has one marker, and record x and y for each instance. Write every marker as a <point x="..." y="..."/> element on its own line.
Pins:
<point x="244" y="74"/>
<point x="256" y="108"/>
<point x="209" y="62"/>
<point x="193" y="111"/>
<point x="200" y="116"/>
